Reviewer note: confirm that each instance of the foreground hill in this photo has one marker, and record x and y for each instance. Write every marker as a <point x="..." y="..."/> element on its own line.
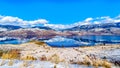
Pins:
<point x="97" y="56"/>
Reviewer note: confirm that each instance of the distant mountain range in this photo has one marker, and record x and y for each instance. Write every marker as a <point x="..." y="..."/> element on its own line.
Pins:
<point x="32" y="33"/>
<point x="8" y="27"/>
<point x="13" y="27"/>
<point x="98" y="29"/>
<point x="46" y="32"/>
<point x="43" y="27"/>
<point x="94" y="26"/>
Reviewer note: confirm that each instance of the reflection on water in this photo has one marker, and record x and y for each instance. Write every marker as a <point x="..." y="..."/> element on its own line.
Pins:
<point x="98" y="38"/>
<point x="70" y="41"/>
<point x="6" y="40"/>
<point x="84" y="40"/>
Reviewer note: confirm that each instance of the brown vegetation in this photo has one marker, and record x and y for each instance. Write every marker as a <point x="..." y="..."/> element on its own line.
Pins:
<point x="29" y="57"/>
<point x="43" y="58"/>
<point x="1" y="52"/>
<point x="10" y="63"/>
<point x="95" y="62"/>
<point x="12" y="54"/>
<point x="55" y="58"/>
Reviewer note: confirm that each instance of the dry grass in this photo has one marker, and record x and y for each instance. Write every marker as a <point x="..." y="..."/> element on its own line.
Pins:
<point x="37" y="42"/>
<point x="106" y="64"/>
<point x="12" y="54"/>
<point x="10" y="63"/>
<point x="3" y="51"/>
<point x="28" y="57"/>
<point x="55" y="66"/>
<point x="2" y="63"/>
<point x="55" y="58"/>
<point x="40" y="43"/>
<point x="25" y="64"/>
<point x="95" y="62"/>
<point x="43" y="58"/>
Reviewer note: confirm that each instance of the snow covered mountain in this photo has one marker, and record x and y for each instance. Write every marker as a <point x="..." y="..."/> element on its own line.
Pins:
<point x="42" y="27"/>
<point x="8" y="27"/>
<point x="95" y="26"/>
<point x="105" y="28"/>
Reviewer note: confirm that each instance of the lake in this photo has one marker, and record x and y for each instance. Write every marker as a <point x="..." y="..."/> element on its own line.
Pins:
<point x="70" y="41"/>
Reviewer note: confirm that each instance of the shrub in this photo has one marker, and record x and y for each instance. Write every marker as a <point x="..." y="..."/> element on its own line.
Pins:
<point x="2" y="51"/>
<point x="12" y="54"/>
<point x="95" y="62"/>
<point x="10" y="63"/>
<point x="28" y="57"/>
<point x="106" y="64"/>
<point x="39" y="43"/>
<point x="43" y="58"/>
<point x="55" y="58"/>
<point x="25" y="64"/>
<point x="55" y="66"/>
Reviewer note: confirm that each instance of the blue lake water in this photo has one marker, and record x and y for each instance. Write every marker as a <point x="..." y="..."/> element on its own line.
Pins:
<point x="72" y="41"/>
<point x="89" y="40"/>
<point x="5" y="40"/>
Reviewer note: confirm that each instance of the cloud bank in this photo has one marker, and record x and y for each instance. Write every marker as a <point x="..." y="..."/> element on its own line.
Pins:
<point x="87" y="21"/>
<point x="9" y="20"/>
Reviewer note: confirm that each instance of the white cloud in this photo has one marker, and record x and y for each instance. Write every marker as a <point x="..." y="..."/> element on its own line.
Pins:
<point x="97" y="22"/>
<point x="1" y="16"/>
<point x="39" y="21"/>
<point x="117" y="19"/>
<point x="104" y="17"/>
<point x="58" y="26"/>
<point x="108" y="20"/>
<point x="85" y="23"/>
<point x="9" y="20"/>
<point x="88" y="19"/>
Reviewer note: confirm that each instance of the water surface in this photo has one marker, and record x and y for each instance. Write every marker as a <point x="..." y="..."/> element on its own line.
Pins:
<point x="71" y="41"/>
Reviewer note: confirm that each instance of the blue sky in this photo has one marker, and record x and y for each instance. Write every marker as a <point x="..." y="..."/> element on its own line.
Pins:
<point x="59" y="11"/>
